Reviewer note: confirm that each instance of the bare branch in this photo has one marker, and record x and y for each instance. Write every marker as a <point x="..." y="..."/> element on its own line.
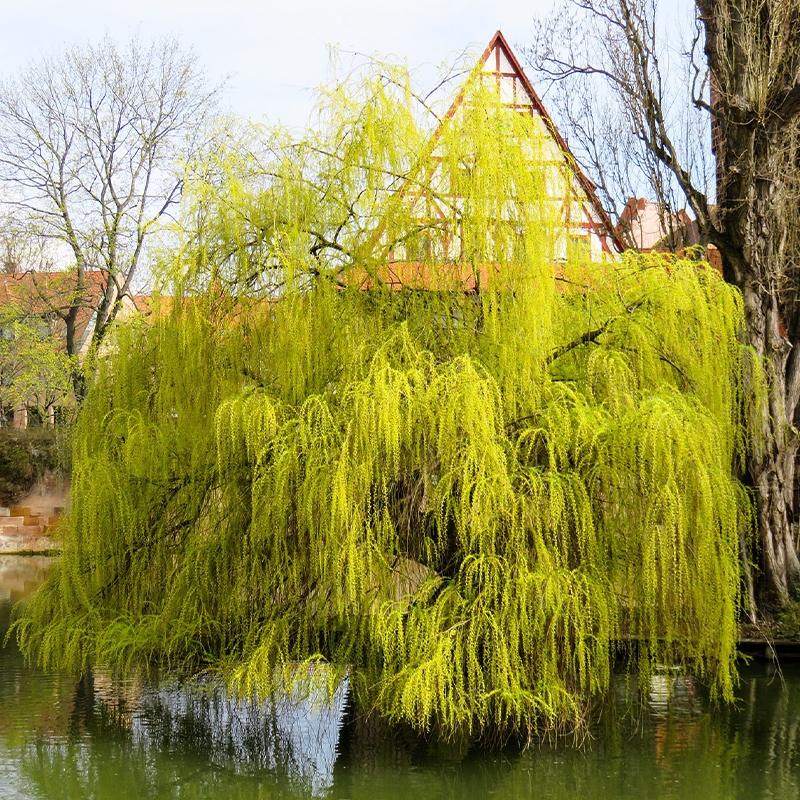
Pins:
<point x="92" y="145"/>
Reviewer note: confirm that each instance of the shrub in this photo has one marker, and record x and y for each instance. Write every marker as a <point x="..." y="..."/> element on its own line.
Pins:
<point x="26" y="456"/>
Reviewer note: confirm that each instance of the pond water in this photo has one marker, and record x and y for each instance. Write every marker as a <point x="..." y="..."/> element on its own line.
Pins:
<point x="92" y="739"/>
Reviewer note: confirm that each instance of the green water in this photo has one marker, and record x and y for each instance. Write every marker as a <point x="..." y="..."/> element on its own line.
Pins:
<point x="92" y="739"/>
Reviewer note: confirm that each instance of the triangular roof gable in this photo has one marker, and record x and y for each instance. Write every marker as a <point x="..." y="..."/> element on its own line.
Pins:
<point x="517" y="92"/>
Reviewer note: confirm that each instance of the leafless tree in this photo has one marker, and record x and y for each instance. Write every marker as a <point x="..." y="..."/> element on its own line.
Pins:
<point x="584" y="59"/>
<point x="92" y="147"/>
<point x="744" y="80"/>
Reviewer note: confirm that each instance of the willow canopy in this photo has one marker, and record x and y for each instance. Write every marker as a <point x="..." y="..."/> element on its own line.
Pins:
<point x="469" y="481"/>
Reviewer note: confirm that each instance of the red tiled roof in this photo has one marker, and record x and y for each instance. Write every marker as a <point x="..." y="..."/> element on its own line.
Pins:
<point x="44" y="293"/>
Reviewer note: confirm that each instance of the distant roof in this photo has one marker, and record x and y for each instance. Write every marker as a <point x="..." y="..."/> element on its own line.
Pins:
<point x="647" y="226"/>
<point x="29" y="294"/>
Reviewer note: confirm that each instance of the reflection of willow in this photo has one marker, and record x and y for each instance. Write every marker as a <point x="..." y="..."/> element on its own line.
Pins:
<point x="668" y="742"/>
<point x="770" y="742"/>
<point x="367" y="741"/>
<point x="173" y="742"/>
<point x="379" y="759"/>
<point x="195" y="740"/>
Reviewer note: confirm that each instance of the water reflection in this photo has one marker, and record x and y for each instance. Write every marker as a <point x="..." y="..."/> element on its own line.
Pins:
<point x="293" y="736"/>
<point x="132" y="741"/>
<point x="673" y="694"/>
<point x="97" y="738"/>
<point x="20" y="575"/>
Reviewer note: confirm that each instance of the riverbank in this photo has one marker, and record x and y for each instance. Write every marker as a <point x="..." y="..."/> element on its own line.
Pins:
<point x="30" y="527"/>
<point x="27" y="532"/>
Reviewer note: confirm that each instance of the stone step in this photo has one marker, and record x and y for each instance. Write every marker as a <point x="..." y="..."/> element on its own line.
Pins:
<point x="33" y="519"/>
<point x="20" y="530"/>
<point x="45" y="512"/>
<point x="28" y="522"/>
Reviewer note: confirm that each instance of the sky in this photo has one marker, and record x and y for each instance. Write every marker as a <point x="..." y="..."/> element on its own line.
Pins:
<point x="272" y="53"/>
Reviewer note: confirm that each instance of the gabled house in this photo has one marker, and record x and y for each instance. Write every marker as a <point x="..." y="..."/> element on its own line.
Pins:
<point x="583" y="216"/>
<point x="582" y="224"/>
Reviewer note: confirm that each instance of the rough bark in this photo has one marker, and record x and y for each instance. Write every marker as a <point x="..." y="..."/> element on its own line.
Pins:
<point x="754" y="60"/>
<point x="771" y="459"/>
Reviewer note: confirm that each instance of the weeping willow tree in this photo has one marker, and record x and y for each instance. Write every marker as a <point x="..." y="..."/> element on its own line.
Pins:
<point x="407" y="445"/>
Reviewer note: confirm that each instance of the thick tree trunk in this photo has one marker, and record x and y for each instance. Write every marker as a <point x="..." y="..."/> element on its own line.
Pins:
<point x="78" y="379"/>
<point x="772" y="458"/>
<point x="754" y="62"/>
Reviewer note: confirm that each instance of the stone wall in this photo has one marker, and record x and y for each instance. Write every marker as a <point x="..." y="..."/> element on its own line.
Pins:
<point x="31" y="526"/>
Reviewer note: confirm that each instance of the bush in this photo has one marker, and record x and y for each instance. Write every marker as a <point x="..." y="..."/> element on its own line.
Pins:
<point x="789" y="622"/>
<point x="25" y="457"/>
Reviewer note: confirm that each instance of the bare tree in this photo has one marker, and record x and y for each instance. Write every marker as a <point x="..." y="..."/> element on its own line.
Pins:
<point x="92" y="147"/>
<point x="744" y="78"/>
<point x="594" y="93"/>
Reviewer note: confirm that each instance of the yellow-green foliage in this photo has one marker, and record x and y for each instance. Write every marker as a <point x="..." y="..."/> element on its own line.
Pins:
<point x="471" y="501"/>
<point x="35" y="373"/>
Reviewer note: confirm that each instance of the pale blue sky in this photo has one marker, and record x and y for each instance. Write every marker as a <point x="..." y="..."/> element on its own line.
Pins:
<point x="274" y="52"/>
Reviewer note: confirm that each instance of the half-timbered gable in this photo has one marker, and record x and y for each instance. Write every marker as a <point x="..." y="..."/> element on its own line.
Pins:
<point x="572" y="219"/>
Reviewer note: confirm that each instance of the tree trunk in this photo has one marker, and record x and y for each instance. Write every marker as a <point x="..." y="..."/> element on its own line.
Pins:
<point x="78" y="379"/>
<point x="772" y="456"/>
<point x="753" y="61"/>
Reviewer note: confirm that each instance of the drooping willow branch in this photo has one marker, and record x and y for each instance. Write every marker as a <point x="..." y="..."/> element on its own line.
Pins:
<point x="436" y="489"/>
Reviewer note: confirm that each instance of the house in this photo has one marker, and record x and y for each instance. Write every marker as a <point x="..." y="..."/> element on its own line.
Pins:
<point x="583" y="224"/>
<point x="647" y="227"/>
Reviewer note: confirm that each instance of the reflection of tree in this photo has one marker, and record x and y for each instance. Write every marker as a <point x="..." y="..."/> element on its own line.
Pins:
<point x="175" y="742"/>
<point x="639" y="747"/>
<point x="380" y="760"/>
<point x="198" y="739"/>
<point x="367" y="741"/>
<point x="769" y="743"/>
